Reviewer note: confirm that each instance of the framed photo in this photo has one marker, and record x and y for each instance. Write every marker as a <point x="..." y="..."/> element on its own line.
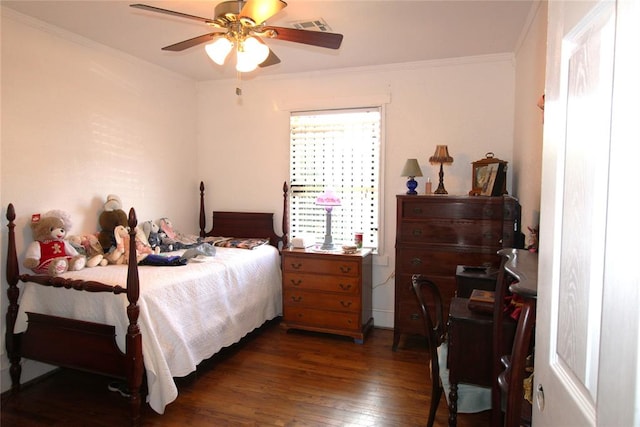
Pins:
<point x="489" y="177"/>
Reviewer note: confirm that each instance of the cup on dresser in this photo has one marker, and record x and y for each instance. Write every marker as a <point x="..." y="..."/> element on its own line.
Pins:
<point x="357" y="239"/>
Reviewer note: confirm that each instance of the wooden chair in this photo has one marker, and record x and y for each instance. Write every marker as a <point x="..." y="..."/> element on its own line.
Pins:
<point x="435" y="334"/>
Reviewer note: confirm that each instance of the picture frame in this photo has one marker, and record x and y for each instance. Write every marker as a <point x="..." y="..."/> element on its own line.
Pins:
<point x="488" y="177"/>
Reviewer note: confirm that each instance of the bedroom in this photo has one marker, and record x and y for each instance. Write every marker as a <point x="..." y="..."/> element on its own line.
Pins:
<point x="92" y="121"/>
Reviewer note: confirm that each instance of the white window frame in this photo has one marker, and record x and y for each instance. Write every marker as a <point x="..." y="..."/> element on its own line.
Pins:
<point x="305" y="188"/>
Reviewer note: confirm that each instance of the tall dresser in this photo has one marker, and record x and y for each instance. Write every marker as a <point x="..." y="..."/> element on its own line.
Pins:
<point x="435" y="234"/>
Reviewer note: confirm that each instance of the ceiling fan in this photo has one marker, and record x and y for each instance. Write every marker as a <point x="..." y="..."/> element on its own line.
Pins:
<point x="243" y="25"/>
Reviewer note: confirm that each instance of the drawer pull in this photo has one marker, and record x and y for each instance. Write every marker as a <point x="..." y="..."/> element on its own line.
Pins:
<point x="345" y="287"/>
<point x="296" y="266"/>
<point x="295" y="298"/>
<point x="417" y="210"/>
<point x="415" y="316"/>
<point x="296" y="282"/>
<point x="345" y="304"/>
<point x="345" y="268"/>
<point x="417" y="232"/>
<point x="416" y="261"/>
<point x="488" y="212"/>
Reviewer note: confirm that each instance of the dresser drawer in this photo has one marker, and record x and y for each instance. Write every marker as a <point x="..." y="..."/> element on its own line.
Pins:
<point x="336" y="266"/>
<point x="340" y="284"/>
<point x="452" y="231"/>
<point x="322" y="320"/>
<point x="321" y="301"/>
<point x="443" y="263"/>
<point x="451" y="208"/>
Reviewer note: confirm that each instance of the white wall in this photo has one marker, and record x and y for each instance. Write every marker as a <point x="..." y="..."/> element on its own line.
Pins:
<point x="466" y="103"/>
<point x="80" y="121"/>
<point x="527" y="145"/>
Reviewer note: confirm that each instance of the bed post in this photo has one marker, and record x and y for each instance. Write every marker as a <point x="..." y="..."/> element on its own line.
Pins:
<point x="13" y="292"/>
<point x="203" y="218"/>
<point x="285" y="216"/>
<point x="134" y="360"/>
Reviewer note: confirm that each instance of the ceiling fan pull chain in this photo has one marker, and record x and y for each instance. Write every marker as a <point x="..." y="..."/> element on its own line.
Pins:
<point x="239" y="85"/>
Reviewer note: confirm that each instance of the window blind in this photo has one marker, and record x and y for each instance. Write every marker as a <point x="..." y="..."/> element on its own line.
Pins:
<point x="340" y="150"/>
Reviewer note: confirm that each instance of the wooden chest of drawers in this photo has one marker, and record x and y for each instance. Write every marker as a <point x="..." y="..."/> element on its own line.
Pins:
<point x="327" y="292"/>
<point x="435" y="234"/>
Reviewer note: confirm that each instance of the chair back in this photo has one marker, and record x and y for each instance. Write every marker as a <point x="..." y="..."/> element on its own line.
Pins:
<point x="430" y="301"/>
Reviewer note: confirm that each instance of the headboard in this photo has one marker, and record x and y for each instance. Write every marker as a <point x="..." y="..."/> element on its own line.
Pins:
<point x="246" y="224"/>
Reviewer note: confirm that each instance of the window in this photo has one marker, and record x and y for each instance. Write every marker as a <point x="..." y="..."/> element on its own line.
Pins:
<point x="338" y="150"/>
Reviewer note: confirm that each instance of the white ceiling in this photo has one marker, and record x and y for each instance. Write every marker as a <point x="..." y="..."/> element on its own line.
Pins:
<point x="375" y="32"/>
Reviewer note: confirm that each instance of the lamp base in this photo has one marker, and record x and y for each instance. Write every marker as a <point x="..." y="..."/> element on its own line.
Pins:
<point x="411" y="185"/>
<point x="328" y="240"/>
<point x="440" y="189"/>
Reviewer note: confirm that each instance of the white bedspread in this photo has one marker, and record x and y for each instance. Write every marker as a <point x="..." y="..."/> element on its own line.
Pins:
<point x="187" y="313"/>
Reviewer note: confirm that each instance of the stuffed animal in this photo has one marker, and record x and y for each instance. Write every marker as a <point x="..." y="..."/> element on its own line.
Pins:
<point x="152" y="233"/>
<point x="89" y="246"/>
<point x="50" y="253"/>
<point x="175" y="238"/>
<point x="120" y="253"/>
<point x="110" y="218"/>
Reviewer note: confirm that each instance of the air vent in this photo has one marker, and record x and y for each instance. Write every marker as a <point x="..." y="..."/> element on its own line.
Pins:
<point x="312" y="25"/>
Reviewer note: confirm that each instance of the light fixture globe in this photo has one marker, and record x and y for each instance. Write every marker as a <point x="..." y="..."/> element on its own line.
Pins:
<point x="219" y="50"/>
<point x="257" y="49"/>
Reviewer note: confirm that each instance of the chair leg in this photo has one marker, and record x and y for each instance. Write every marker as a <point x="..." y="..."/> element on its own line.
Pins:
<point x="453" y="404"/>
<point x="436" y="394"/>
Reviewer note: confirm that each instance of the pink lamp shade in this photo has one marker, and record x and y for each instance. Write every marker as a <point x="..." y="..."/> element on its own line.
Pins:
<point x="328" y="198"/>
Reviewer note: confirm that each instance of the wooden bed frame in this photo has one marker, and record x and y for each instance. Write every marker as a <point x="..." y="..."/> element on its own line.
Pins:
<point x="100" y="353"/>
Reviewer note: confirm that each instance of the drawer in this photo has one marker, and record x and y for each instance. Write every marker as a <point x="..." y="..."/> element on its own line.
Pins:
<point x="452" y="231"/>
<point x="321" y="319"/>
<point x="422" y="260"/>
<point x="321" y="301"/>
<point x="449" y="207"/>
<point x="340" y="284"/>
<point x="323" y="265"/>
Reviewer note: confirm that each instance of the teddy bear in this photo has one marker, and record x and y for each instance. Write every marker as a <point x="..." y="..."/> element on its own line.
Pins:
<point x="110" y="218"/>
<point x="89" y="246"/>
<point x="50" y="253"/>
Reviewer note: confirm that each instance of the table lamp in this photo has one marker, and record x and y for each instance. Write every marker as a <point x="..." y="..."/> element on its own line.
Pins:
<point x="411" y="169"/>
<point x="328" y="200"/>
<point x="441" y="156"/>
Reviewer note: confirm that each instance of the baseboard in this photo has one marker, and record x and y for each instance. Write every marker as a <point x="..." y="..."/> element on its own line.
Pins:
<point x="31" y="371"/>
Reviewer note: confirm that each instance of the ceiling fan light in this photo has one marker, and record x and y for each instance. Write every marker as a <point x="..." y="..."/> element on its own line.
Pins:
<point x="219" y="49"/>
<point x="245" y="63"/>
<point x="257" y="49"/>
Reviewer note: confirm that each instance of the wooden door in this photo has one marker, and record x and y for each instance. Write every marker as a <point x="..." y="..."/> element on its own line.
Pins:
<point x="587" y="347"/>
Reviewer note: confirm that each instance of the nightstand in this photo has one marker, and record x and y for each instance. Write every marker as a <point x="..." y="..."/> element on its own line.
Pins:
<point x="327" y="292"/>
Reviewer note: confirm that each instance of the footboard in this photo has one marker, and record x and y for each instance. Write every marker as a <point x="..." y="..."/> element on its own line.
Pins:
<point x="72" y="343"/>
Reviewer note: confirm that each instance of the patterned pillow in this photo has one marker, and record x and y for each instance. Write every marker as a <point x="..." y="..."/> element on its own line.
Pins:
<point x="241" y="243"/>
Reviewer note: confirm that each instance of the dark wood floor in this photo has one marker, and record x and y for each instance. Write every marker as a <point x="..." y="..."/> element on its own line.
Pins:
<point x="272" y="378"/>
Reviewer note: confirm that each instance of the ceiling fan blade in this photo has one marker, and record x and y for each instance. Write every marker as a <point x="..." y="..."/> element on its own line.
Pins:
<point x="261" y="10"/>
<point x="186" y="44"/>
<point x="315" y="38"/>
<point x="272" y="59"/>
<point x="171" y="12"/>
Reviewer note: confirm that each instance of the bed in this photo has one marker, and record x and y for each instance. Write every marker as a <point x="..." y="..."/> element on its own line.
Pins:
<point x="147" y="322"/>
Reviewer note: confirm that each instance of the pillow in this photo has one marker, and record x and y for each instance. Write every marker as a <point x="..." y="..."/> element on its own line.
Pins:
<point x="241" y="243"/>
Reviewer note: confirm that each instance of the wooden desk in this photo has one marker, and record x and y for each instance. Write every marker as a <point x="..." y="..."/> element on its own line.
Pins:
<point x="470" y="353"/>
